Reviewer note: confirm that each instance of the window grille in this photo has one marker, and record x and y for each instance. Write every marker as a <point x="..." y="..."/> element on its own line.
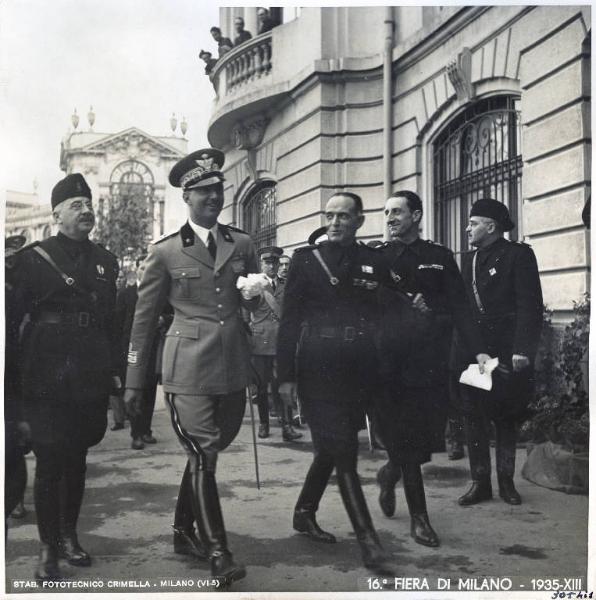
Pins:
<point x="258" y="216"/>
<point x="478" y="155"/>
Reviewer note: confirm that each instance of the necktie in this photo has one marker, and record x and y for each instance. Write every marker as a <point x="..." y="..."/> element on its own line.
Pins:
<point x="211" y="245"/>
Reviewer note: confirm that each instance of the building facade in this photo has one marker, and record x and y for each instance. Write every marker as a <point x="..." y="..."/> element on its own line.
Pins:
<point x="126" y="165"/>
<point x="26" y="216"/>
<point x="456" y="103"/>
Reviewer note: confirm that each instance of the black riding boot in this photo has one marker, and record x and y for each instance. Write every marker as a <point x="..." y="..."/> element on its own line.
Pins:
<point x="373" y="554"/>
<point x="185" y="539"/>
<point x="207" y="510"/>
<point x="72" y="489"/>
<point x="308" y="502"/>
<point x="47" y="510"/>
<point x="506" y="437"/>
<point x="289" y="434"/>
<point x="387" y="477"/>
<point x="420" y="529"/>
<point x="477" y="434"/>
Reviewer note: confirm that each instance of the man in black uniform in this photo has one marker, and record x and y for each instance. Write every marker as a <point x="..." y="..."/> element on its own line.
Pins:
<point x="415" y="341"/>
<point x="126" y="301"/>
<point x="67" y="363"/>
<point x="326" y="353"/>
<point x="16" y="430"/>
<point x="503" y="285"/>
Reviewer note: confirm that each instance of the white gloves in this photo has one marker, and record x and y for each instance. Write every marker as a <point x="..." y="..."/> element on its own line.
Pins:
<point x="252" y="285"/>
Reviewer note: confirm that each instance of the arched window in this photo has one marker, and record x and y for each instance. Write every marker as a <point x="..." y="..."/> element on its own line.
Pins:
<point x="258" y="215"/>
<point x="132" y="184"/>
<point x="478" y="155"/>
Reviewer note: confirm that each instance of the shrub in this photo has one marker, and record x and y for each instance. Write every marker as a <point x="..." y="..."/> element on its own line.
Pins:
<point x="560" y="407"/>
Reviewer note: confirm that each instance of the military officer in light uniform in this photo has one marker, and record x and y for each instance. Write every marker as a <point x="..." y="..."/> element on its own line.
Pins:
<point x="264" y="323"/>
<point x="206" y="357"/>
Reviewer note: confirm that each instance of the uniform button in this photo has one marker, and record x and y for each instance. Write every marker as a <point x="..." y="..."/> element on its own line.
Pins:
<point x="217" y="290"/>
<point x="183" y="274"/>
<point x="219" y="306"/>
<point x="221" y="322"/>
<point x="177" y="333"/>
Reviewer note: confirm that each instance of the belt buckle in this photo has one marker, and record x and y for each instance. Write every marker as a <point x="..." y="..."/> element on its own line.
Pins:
<point x="349" y="334"/>
<point x="84" y="319"/>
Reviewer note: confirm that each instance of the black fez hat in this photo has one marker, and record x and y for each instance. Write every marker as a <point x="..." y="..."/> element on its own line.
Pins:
<point x="270" y="252"/>
<point x="72" y="186"/>
<point x="486" y="207"/>
<point x="15" y="242"/>
<point x="199" y="169"/>
<point x="316" y="234"/>
<point x="204" y="52"/>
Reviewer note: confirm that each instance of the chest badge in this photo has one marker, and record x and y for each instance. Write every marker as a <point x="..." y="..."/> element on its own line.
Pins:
<point x="100" y="269"/>
<point x="367" y="269"/>
<point x="492" y="272"/>
<point x="396" y="278"/>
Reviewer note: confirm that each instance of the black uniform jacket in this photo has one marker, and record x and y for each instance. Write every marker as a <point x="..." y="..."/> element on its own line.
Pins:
<point x="68" y="351"/>
<point x="415" y="347"/>
<point x="326" y="333"/>
<point x="509" y="319"/>
<point x="511" y="296"/>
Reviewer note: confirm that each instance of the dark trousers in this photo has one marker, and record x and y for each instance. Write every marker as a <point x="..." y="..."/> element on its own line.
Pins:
<point x="455" y="434"/>
<point x="478" y="429"/>
<point x="141" y="424"/>
<point x="58" y="488"/>
<point x="329" y="453"/>
<point x="265" y="368"/>
<point x="118" y="409"/>
<point x="15" y="481"/>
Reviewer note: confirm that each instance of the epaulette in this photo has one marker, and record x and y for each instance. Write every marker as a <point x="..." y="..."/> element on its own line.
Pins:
<point x="237" y="229"/>
<point x="303" y="248"/>
<point x="432" y="242"/>
<point x="165" y="236"/>
<point x="27" y="247"/>
<point x="523" y="244"/>
<point x="377" y="246"/>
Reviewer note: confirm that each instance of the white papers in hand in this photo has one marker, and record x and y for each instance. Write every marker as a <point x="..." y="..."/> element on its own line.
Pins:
<point x="484" y="381"/>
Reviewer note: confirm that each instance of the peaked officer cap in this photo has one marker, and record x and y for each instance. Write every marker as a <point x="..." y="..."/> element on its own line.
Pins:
<point x="485" y="207"/>
<point x="72" y="186"/>
<point x="199" y="169"/>
<point x="316" y="234"/>
<point x="270" y="252"/>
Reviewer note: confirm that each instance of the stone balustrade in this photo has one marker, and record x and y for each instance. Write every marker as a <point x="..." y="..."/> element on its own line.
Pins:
<point x="244" y="64"/>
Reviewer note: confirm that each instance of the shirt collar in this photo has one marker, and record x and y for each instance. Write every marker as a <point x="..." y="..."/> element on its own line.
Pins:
<point x="401" y="246"/>
<point x="202" y="232"/>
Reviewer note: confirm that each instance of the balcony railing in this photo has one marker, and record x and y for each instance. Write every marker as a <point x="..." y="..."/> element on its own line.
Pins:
<point x="247" y="63"/>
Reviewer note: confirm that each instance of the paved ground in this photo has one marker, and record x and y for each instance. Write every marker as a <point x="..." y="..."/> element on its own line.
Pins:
<point x="130" y="497"/>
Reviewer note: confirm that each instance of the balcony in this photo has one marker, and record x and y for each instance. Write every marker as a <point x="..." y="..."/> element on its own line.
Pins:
<point x="244" y="65"/>
<point x="246" y="84"/>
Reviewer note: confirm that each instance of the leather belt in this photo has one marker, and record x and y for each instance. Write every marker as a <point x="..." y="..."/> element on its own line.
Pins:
<point x="344" y="334"/>
<point x="78" y="319"/>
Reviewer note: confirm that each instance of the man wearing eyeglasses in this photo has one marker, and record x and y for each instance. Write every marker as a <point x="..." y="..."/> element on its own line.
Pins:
<point x="66" y="363"/>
